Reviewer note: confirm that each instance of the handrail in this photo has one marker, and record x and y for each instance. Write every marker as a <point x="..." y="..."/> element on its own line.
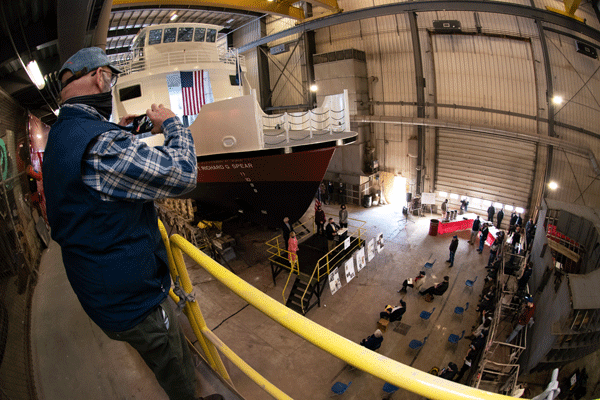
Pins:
<point x="209" y="342"/>
<point x="373" y="363"/>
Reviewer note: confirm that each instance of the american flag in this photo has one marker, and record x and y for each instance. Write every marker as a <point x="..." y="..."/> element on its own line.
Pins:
<point x="317" y="204"/>
<point x="192" y="90"/>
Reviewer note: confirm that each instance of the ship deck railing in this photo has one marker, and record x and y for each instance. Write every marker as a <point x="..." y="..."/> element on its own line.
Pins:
<point x="137" y="61"/>
<point x="323" y="123"/>
<point x="378" y="365"/>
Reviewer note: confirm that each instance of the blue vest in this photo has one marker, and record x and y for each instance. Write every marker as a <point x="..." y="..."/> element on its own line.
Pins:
<point x="113" y="253"/>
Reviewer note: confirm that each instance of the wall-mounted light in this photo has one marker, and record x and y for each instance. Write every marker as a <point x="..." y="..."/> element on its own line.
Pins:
<point x="557" y="100"/>
<point x="313" y="88"/>
<point x="33" y="70"/>
<point x="552" y="185"/>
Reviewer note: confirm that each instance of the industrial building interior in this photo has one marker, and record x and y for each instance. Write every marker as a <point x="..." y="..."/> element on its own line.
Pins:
<point x="460" y="110"/>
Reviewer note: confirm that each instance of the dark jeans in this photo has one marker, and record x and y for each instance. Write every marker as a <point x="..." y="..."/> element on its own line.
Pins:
<point x="320" y="226"/>
<point x="452" y="253"/>
<point x="161" y="343"/>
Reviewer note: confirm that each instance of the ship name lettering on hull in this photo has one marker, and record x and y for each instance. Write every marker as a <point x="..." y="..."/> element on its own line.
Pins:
<point x="226" y="166"/>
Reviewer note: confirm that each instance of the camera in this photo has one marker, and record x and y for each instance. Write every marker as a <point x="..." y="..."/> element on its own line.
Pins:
<point x="141" y="124"/>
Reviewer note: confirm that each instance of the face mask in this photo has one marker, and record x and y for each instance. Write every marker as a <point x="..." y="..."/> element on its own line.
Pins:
<point x="102" y="102"/>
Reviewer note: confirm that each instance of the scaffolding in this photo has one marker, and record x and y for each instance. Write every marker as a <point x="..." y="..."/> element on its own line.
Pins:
<point x="498" y="369"/>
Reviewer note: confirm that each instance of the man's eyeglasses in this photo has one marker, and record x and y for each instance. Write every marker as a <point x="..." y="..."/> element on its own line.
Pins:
<point x="113" y="78"/>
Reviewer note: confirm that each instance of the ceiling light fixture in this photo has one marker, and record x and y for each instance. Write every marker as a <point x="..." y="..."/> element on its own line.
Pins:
<point x="557" y="100"/>
<point x="230" y="20"/>
<point x="173" y="17"/>
<point x="313" y="88"/>
<point x="553" y="185"/>
<point x="33" y="70"/>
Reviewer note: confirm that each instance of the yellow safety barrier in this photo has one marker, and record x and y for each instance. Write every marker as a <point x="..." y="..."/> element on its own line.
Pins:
<point x="373" y="363"/>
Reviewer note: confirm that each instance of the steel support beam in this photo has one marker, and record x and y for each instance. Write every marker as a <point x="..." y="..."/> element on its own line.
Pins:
<point x="549" y="95"/>
<point x="495" y="7"/>
<point x="420" y="85"/>
<point x="283" y="8"/>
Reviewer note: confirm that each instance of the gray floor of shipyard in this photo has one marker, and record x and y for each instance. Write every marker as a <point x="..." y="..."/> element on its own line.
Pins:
<point x="74" y="360"/>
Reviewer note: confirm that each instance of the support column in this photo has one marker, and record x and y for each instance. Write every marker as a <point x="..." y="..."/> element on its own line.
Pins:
<point x="420" y="83"/>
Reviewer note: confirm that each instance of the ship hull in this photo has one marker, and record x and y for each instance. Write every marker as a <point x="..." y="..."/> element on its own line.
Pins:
<point x="263" y="186"/>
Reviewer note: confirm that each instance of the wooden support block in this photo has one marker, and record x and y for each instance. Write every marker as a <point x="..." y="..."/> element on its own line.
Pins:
<point x="383" y="324"/>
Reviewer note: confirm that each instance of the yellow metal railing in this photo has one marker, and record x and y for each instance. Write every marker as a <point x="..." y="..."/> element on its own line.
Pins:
<point x="388" y="370"/>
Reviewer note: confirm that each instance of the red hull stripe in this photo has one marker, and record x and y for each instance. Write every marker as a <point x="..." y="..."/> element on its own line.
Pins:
<point x="302" y="167"/>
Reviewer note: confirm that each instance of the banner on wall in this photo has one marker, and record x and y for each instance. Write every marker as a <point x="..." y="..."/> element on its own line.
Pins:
<point x="360" y="259"/>
<point x="380" y="243"/>
<point x="349" y="266"/>
<point x="371" y="250"/>
<point x="335" y="283"/>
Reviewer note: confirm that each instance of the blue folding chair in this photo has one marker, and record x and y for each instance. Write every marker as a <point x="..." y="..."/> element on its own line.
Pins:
<point x="389" y="388"/>
<point x="454" y="338"/>
<point x="460" y="310"/>
<point x="470" y="283"/>
<point x="415" y="344"/>
<point x="339" y="387"/>
<point x="425" y="314"/>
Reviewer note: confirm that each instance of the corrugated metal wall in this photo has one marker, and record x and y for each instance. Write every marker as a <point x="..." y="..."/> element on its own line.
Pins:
<point x="485" y="167"/>
<point x="492" y="75"/>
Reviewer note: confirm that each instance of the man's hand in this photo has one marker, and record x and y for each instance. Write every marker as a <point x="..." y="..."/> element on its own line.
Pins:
<point x="127" y="119"/>
<point x="158" y="115"/>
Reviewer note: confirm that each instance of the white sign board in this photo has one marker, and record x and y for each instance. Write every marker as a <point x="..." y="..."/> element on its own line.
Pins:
<point x="350" y="274"/>
<point x="380" y="243"/>
<point x="427" y="198"/>
<point x="334" y="281"/>
<point x="346" y="243"/>
<point x="371" y="250"/>
<point x="360" y="259"/>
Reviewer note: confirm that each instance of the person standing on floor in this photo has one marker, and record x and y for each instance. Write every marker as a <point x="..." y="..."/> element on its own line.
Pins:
<point x="445" y="209"/>
<point x="482" y="239"/>
<point x="525" y="318"/>
<point x="320" y="220"/>
<point x="330" y="192"/>
<point x="499" y="218"/>
<point x="286" y="228"/>
<point x="452" y="248"/>
<point x="100" y="184"/>
<point x="491" y="211"/>
<point x="474" y="230"/>
<point x="493" y="252"/>
<point x="512" y="223"/>
<point x="343" y="216"/>
<point x="292" y="249"/>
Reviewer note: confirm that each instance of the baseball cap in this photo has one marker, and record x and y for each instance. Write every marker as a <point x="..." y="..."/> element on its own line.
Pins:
<point x="87" y="60"/>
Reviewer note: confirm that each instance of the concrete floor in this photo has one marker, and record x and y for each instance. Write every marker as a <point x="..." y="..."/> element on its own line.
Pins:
<point x="73" y="358"/>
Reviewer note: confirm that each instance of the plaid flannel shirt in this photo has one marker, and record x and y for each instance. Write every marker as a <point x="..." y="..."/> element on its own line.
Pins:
<point x="120" y="166"/>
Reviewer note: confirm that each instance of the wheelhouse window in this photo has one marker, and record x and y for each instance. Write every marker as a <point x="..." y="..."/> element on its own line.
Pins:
<point x="130" y="92"/>
<point x="155" y="36"/>
<point x="139" y="41"/>
<point x="185" y="34"/>
<point x="211" y="35"/>
<point x="170" y="35"/>
<point x="199" y="34"/>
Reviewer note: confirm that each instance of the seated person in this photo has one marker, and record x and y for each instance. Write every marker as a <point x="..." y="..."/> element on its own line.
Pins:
<point x="373" y="342"/>
<point x="437" y="289"/>
<point x="416" y="283"/>
<point x="449" y="372"/>
<point x="393" y="313"/>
